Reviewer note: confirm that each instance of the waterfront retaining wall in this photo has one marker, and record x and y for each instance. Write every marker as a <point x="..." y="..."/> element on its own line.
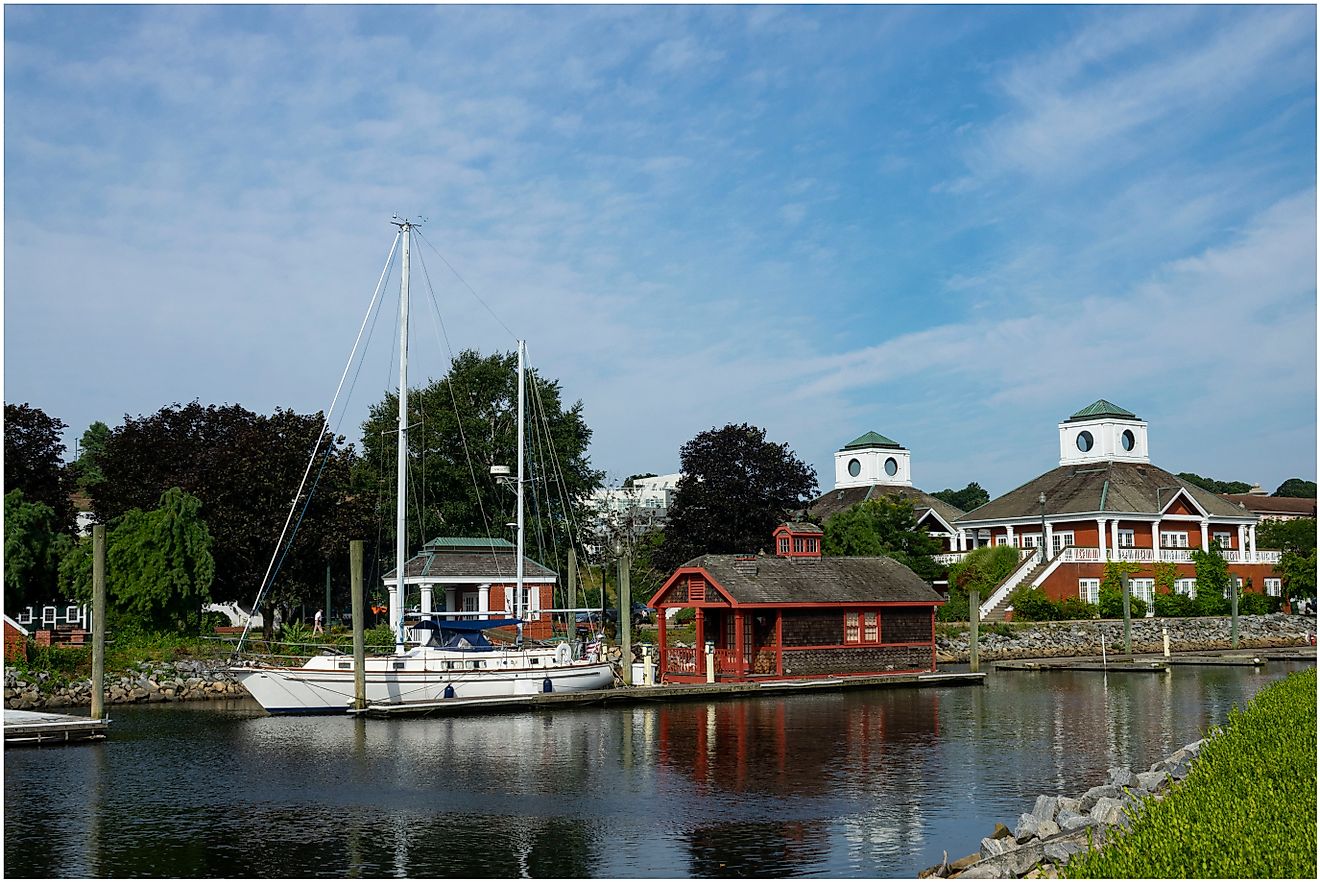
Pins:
<point x="150" y="682"/>
<point x="1049" y="639"/>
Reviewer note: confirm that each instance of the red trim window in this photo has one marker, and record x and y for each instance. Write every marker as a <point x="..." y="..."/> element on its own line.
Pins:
<point x="852" y="631"/>
<point x="861" y="627"/>
<point x="783" y="545"/>
<point x="798" y="545"/>
<point x="811" y="546"/>
<point x="870" y="628"/>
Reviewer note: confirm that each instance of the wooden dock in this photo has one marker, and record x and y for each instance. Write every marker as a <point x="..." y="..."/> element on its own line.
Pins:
<point x="39" y="727"/>
<point x="1083" y="664"/>
<point x="634" y="695"/>
<point x="1148" y="662"/>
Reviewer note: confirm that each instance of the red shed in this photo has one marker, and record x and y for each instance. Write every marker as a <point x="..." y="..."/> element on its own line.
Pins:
<point x="798" y="616"/>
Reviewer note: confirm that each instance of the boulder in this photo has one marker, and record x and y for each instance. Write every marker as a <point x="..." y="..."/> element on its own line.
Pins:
<point x="964" y="862"/>
<point x="1001" y="832"/>
<point x="1121" y="777"/>
<point x="985" y="870"/>
<point x="1046" y="829"/>
<point x="1108" y="811"/>
<point x="991" y="847"/>
<point x="1152" y="782"/>
<point x="1028" y="827"/>
<point x="1061" y="850"/>
<point x="1090" y="797"/>
<point x="1069" y="803"/>
<point x="1046" y="807"/>
<point x="1069" y="821"/>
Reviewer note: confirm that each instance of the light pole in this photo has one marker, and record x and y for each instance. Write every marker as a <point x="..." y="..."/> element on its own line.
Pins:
<point x="1044" y="546"/>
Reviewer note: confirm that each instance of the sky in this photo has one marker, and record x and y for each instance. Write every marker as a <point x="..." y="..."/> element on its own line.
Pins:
<point x="955" y="226"/>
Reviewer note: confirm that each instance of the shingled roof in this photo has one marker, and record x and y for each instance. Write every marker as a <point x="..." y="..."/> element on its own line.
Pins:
<point x="501" y="564"/>
<point x="871" y="439"/>
<point x="1110" y="487"/>
<point x="835" y="501"/>
<point x="778" y="580"/>
<point x="1273" y="505"/>
<point x="1101" y="408"/>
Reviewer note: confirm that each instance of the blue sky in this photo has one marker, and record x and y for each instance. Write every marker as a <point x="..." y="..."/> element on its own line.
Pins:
<point x="954" y="226"/>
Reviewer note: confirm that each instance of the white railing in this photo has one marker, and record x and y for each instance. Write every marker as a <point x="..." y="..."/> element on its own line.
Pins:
<point x="1136" y="555"/>
<point x="1076" y="554"/>
<point x="1027" y="561"/>
<point x="947" y="558"/>
<point x="1176" y="555"/>
<point x="1270" y="557"/>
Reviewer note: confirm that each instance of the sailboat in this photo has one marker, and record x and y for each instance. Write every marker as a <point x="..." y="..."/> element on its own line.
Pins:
<point x="449" y="658"/>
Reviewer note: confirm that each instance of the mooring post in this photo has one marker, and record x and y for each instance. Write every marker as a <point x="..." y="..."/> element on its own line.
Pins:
<point x="973" y="629"/>
<point x="570" y="626"/>
<point x="1127" y="615"/>
<point x="359" y="619"/>
<point x="1233" y="601"/>
<point x="98" y="622"/>
<point x="1166" y="641"/>
<point x="625" y="617"/>
<point x="327" y="597"/>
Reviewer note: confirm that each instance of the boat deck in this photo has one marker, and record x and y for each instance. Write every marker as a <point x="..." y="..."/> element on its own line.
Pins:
<point x="647" y="694"/>
<point x="40" y="727"/>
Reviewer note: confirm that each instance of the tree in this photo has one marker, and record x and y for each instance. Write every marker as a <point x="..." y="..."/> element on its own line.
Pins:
<point x="1212" y="581"/>
<point x="159" y="566"/>
<point x="86" y="469"/>
<point x="33" y="547"/>
<point x="736" y="487"/>
<point x="883" y="526"/>
<point x="1297" y="489"/>
<point x="34" y="461"/>
<point x="1296" y="538"/>
<point x="983" y="569"/>
<point x="461" y="425"/>
<point x="970" y="497"/>
<point x="1215" y="486"/>
<point x="245" y="469"/>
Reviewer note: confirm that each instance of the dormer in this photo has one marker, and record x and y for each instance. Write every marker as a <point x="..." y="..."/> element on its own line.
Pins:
<point x="872" y="459"/>
<point x="798" y="540"/>
<point x="1102" y="432"/>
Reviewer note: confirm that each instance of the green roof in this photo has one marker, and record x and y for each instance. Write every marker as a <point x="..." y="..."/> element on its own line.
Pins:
<point x="1101" y="408"/>
<point x="468" y="542"/>
<point x="871" y="439"/>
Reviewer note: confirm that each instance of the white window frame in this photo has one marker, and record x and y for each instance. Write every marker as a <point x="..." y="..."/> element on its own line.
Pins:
<point x="1030" y="540"/>
<point x="1185" y="587"/>
<point x="1273" y="586"/>
<point x="1001" y="540"/>
<point x="1143" y="588"/>
<point x="1127" y="538"/>
<point x="1173" y="539"/>
<point x="1061" y="539"/>
<point x="470" y="602"/>
<point x="1225" y="540"/>
<point x="1088" y="589"/>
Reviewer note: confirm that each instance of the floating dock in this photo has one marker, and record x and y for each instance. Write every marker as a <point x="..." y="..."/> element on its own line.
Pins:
<point x="633" y="695"/>
<point x="39" y="727"/>
<point x="1148" y="662"/>
<point x="1083" y="664"/>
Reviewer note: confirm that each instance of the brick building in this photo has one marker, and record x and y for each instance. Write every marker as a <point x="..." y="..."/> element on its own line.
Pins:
<point x="798" y="615"/>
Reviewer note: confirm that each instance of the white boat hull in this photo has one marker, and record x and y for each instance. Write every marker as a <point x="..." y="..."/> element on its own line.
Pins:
<point x="325" y="684"/>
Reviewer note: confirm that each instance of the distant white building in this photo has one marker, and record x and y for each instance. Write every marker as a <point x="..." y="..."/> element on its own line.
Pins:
<point x="638" y="509"/>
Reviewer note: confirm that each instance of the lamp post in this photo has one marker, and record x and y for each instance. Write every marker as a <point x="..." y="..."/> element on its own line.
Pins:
<point x="1044" y="546"/>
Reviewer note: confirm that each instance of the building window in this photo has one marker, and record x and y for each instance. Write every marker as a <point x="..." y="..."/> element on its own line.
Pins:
<point x="1089" y="590"/>
<point x="852" y="632"/>
<point x="1128" y="439"/>
<point x="1173" y="540"/>
<point x="1085" y="441"/>
<point x="1225" y="540"/>
<point x="798" y="545"/>
<point x="891" y="467"/>
<point x="1127" y="538"/>
<point x="1030" y="540"/>
<point x="854" y="467"/>
<point x="1001" y="540"/>
<point x="1062" y="539"/>
<point x="1186" y="587"/>
<point x="811" y="546"/>
<point x="469" y="603"/>
<point x="1273" y="587"/>
<point x="871" y="627"/>
<point x="1143" y="589"/>
<point x="783" y="545"/>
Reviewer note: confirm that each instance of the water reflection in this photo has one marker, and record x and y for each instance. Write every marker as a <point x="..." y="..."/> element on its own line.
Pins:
<point x="873" y="784"/>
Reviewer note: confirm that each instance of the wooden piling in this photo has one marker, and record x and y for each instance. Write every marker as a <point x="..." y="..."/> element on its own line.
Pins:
<point x="1127" y="614"/>
<point x="1233" y="600"/>
<point x="571" y="624"/>
<point x="98" y="622"/>
<point x="973" y="629"/>
<point x="359" y="621"/>
<point x="625" y="617"/>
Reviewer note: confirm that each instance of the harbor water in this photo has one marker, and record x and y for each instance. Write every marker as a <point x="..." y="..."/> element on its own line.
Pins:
<point x="867" y="783"/>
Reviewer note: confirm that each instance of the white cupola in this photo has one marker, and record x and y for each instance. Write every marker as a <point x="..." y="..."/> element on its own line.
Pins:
<point x="1102" y="432"/>
<point x="872" y="459"/>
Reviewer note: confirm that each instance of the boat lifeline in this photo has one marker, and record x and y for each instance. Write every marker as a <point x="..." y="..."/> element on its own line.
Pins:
<point x="449" y="658"/>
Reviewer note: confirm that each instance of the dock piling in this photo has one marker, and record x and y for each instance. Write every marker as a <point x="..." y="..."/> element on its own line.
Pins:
<point x="974" y="629"/>
<point x="98" y="622"/>
<point x="359" y="618"/>
<point x="1127" y="615"/>
<point x="625" y="617"/>
<point x="1233" y="600"/>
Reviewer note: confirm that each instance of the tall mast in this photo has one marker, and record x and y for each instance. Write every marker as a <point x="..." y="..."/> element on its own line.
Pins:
<point x="522" y="439"/>
<point x="401" y="504"/>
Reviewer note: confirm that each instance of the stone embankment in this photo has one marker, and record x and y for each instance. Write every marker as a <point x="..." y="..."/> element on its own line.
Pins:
<point x="1048" y="639"/>
<point x="151" y="682"/>
<point x="1057" y="827"/>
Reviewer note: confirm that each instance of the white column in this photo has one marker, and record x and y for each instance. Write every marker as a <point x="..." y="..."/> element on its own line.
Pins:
<point x="1251" y="537"/>
<point x="1205" y="534"/>
<point x="451" y="598"/>
<point x="1113" y="536"/>
<point x="1242" y="542"/>
<point x="1100" y="534"/>
<point x="396" y="612"/>
<point x="1010" y="534"/>
<point x="426" y="599"/>
<point x="1155" y="540"/>
<point x="1049" y="538"/>
<point x="483" y="600"/>
<point x="962" y="540"/>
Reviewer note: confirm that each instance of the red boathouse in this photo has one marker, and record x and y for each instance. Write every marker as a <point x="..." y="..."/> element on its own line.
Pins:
<point x="798" y="615"/>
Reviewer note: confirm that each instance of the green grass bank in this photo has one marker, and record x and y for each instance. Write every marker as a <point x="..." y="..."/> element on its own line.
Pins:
<point x="1247" y="810"/>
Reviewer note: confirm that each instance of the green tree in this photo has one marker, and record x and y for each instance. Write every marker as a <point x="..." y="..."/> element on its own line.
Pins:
<point x="461" y="425"/>
<point x="33" y="547"/>
<point x="1215" y="486"/>
<point x="34" y="461"/>
<point x="735" y="489"/>
<point x="1297" y="489"/>
<point x="1296" y="538"/>
<point x="970" y="497"/>
<point x="86" y="469"/>
<point x="1166" y="576"/>
<point x="884" y="526"/>
<point x="1212" y="580"/>
<point x="159" y="566"/>
<point x="983" y="569"/>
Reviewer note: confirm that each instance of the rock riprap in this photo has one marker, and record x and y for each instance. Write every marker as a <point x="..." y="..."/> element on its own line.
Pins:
<point x="150" y="682"/>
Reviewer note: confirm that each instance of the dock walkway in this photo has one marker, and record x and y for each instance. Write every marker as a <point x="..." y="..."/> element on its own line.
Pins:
<point x="1155" y="662"/>
<point x="39" y="727"/>
<point x="651" y="694"/>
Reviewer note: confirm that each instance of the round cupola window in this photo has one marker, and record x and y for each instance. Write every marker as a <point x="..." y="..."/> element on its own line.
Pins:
<point x="854" y="467"/>
<point x="1085" y="441"/>
<point x="1129" y="440"/>
<point x="891" y="467"/>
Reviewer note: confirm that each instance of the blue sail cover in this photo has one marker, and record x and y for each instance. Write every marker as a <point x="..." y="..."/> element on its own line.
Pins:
<point x="463" y="634"/>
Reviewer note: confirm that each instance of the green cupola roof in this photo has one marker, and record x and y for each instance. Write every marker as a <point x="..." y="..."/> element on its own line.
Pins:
<point x="1101" y="408"/>
<point x="871" y="439"/>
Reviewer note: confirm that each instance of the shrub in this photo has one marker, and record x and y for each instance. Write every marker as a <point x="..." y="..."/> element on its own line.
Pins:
<point x="1076" y="608"/>
<point x="1209" y="602"/>
<point x="1247" y="810"/>
<point x="1031" y="605"/>
<point x="955" y="609"/>
<point x="1111" y="604"/>
<point x="1175" y="606"/>
<point x="1258" y="605"/>
<point x="685" y="616"/>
